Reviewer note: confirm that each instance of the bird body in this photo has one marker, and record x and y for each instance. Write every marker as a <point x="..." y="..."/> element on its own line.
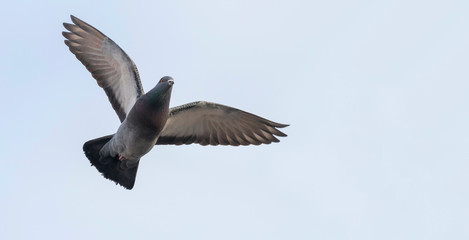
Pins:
<point x="139" y="131"/>
<point x="146" y="119"/>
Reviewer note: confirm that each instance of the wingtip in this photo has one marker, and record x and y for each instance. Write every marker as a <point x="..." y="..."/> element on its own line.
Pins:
<point x="69" y="26"/>
<point x="78" y="21"/>
<point x="75" y="20"/>
<point x="282" y="134"/>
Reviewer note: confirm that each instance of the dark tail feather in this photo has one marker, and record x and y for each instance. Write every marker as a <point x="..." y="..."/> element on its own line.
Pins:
<point x="112" y="168"/>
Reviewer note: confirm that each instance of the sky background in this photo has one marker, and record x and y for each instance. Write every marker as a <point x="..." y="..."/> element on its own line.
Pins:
<point x="375" y="92"/>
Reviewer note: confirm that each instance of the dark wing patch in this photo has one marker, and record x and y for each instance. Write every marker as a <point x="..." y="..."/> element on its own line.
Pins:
<point x="208" y="123"/>
<point x="112" y="68"/>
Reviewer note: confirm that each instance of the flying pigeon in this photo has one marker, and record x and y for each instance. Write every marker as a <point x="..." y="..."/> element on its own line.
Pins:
<point x="146" y="119"/>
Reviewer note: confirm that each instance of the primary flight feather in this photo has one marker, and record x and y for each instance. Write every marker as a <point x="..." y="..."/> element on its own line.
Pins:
<point x="146" y="118"/>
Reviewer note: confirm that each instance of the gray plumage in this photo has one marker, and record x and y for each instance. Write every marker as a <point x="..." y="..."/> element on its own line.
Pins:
<point x="146" y="119"/>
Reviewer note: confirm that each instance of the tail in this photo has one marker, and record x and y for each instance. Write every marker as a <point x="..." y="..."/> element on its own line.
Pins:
<point x="112" y="168"/>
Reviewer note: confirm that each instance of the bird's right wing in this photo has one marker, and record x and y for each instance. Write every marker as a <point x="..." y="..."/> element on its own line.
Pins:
<point x="112" y="68"/>
<point x="215" y="124"/>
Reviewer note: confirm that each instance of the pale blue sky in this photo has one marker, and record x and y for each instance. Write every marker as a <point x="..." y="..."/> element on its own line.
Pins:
<point x="375" y="92"/>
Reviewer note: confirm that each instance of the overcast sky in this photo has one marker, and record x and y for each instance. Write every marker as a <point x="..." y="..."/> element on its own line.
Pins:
<point x="375" y="92"/>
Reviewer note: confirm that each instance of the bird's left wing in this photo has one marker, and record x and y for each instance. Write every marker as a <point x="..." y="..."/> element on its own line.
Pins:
<point x="215" y="124"/>
<point x="112" y="68"/>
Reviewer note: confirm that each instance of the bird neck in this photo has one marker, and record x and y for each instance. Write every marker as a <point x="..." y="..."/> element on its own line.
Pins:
<point x="158" y="97"/>
<point x="153" y="109"/>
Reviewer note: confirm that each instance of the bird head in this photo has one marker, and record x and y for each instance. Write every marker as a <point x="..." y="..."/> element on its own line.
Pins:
<point x="166" y="80"/>
<point x="164" y="86"/>
<point x="162" y="91"/>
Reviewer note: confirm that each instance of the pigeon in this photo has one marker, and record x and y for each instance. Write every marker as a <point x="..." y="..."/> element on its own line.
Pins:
<point x="146" y="118"/>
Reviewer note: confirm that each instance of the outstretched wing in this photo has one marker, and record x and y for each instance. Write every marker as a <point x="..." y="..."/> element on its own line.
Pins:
<point x="215" y="124"/>
<point x="112" y="68"/>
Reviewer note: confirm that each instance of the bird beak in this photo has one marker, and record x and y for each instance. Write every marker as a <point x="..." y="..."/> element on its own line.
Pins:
<point x="170" y="82"/>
